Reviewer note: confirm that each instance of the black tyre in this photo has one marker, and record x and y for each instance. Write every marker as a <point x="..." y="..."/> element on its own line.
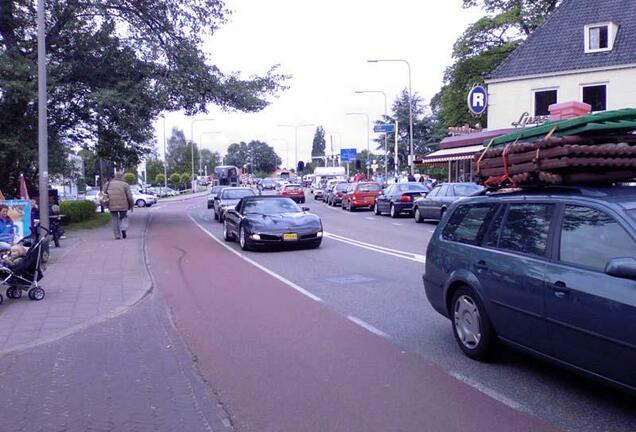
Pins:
<point x="9" y="292"/>
<point x="15" y="293"/>
<point x="471" y="326"/>
<point x="1" y="299"/>
<point x="226" y="234"/>
<point x="393" y="212"/>
<point x="418" y="216"/>
<point x="141" y="203"/>
<point x="376" y="209"/>
<point x="243" y="240"/>
<point x="36" y="294"/>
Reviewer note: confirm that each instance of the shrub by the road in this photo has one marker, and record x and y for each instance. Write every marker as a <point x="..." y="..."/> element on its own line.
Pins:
<point x="77" y="211"/>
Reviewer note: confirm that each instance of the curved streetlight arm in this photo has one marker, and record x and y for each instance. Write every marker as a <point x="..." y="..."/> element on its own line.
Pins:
<point x="296" y="127"/>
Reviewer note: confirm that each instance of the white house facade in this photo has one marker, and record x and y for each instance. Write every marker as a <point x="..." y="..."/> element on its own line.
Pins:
<point x="585" y="52"/>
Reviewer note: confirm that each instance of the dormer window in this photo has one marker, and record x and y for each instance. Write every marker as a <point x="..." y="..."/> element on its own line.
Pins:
<point x="600" y="37"/>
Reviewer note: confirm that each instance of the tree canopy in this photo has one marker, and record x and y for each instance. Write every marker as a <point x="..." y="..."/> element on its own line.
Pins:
<point x="262" y="156"/>
<point x="113" y="66"/>
<point x="318" y="145"/>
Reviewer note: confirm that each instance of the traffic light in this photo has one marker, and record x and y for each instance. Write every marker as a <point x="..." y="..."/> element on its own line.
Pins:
<point x="301" y="166"/>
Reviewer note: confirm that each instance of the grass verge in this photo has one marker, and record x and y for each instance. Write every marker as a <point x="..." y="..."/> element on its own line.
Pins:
<point x="99" y="220"/>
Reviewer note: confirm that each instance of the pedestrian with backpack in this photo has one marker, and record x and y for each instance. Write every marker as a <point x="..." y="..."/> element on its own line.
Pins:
<point x="118" y="198"/>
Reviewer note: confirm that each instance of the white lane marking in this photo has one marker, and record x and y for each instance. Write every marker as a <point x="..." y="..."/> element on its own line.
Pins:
<point x="376" y="248"/>
<point x="396" y="223"/>
<point x="490" y="392"/>
<point x="368" y="327"/>
<point x="370" y="218"/>
<point x="257" y="265"/>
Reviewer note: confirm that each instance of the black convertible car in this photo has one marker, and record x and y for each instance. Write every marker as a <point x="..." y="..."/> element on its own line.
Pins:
<point x="270" y="221"/>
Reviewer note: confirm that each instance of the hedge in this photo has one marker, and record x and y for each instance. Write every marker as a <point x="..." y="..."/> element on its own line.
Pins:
<point x="77" y="211"/>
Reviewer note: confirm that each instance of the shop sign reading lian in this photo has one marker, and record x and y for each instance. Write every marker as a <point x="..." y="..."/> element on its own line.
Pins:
<point x="527" y="120"/>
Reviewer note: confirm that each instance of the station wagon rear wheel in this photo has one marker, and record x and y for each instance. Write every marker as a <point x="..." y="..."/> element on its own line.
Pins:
<point x="471" y="325"/>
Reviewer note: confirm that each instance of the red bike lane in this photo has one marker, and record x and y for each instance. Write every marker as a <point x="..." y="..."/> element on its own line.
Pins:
<point x="280" y="361"/>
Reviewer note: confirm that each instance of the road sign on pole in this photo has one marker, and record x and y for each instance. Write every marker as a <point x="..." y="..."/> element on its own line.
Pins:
<point x="478" y="99"/>
<point x="347" y="155"/>
<point x="384" y="128"/>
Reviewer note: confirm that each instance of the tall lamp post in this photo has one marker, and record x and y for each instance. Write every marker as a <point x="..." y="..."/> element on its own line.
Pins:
<point x="368" y="136"/>
<point x="192" y="151"/>
<point x="43" y="145"/>
<point x="386" y="145"/>
<point x="411" y="151"/>
<point x="165" y="156"/>
<point x="296" y="127"/>
<point x="333" y="153"/>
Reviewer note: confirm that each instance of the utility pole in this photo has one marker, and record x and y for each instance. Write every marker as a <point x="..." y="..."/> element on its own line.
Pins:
<point x="43" y="144"/>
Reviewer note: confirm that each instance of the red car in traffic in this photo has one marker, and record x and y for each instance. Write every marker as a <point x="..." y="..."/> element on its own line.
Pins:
<point x="362" y="194"/>
<point x="293" y="191"/>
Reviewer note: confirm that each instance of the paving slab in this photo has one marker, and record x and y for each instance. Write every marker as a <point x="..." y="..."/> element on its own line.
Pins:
<point x="90" y="278"/>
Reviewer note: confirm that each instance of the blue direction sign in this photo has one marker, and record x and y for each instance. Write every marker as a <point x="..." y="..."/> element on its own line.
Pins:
<point x="384" y="128"/>
<point x="477" y="99"/>
<point x="347" y="155"/>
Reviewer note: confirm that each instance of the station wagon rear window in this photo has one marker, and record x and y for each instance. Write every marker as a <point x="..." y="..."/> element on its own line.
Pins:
<point x="467" y="222"/>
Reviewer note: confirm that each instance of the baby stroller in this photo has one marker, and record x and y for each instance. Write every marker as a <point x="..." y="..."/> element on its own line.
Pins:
<point x="25" y="274"/>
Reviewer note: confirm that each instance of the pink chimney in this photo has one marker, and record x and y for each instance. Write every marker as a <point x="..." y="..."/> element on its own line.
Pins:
<point x="568" y="110"/>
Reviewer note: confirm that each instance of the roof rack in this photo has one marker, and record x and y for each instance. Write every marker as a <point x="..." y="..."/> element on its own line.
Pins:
<point x="582" y="190"/>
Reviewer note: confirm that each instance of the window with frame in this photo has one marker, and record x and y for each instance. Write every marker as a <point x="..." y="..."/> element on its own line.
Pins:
<point x="433" y="193"/>
<point x="442" y="191"/>
<point x="542" y="101"/>
<point x="467" y="223"/>
<point x="526" y="228"/>
<point x="598" y="37"/>
<point x="596" y="97"/>
<point x="591" y="238"/>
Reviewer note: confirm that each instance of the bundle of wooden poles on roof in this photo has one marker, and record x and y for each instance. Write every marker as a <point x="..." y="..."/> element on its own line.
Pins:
<point x="599" y="148"/>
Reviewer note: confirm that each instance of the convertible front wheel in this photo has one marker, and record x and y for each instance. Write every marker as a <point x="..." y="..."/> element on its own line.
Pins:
<point x="243" y="241"/>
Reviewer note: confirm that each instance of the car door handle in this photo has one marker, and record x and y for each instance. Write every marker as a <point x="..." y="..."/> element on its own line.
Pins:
<point x="481" y="265"/>
<point x="560" y="289"/>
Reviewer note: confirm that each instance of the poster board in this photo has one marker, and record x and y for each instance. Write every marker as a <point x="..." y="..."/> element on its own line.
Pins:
<point x="20" y="213"/>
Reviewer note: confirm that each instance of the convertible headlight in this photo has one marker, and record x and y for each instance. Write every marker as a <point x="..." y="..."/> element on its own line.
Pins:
<point x="319" y="234"/>
<point x="256" y="237"/>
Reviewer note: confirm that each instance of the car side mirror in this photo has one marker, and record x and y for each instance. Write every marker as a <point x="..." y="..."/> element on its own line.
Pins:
<point x="304" y="208"/>
<point x="622" y="267"/>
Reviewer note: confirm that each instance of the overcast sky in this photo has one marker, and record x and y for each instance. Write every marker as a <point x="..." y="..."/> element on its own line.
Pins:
<point x="325" y="46"/>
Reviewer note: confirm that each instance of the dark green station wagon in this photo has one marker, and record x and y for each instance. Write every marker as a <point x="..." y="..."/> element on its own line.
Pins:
<point x="551" y="271"/>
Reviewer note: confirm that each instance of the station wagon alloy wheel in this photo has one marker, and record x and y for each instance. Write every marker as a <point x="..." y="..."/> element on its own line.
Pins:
<point x="471" y="325"/>
<point x="467" y="322"/>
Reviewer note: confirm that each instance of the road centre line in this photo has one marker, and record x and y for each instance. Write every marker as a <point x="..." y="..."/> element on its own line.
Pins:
<point x="376" y="248"/>
<point x="365" y="325"/>
<point x="255" y="264"/>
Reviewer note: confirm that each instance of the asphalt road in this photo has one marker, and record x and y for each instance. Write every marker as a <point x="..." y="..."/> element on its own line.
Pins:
<point x="368" y="270"/>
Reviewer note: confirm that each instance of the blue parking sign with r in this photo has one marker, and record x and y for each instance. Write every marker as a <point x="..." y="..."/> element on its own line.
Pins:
<point x="478" y="99"/>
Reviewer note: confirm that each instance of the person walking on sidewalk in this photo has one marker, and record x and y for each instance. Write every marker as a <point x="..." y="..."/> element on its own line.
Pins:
<point x="120" y="200"/>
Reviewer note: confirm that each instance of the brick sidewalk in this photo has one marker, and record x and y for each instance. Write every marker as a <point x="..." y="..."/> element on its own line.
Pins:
<point x="90" y="278"/>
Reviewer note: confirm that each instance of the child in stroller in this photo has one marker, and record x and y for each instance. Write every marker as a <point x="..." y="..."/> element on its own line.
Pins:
<point x="22" y="268"/>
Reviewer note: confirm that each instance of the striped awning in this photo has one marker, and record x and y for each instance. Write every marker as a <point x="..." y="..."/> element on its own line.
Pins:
<point x="451" y="154"/>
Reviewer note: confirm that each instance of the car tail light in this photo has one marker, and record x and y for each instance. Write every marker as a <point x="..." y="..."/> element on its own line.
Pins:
<point x="405" y="198"/>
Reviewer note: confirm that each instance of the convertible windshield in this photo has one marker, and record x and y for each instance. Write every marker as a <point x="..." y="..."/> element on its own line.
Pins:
<point x="236" y="193"/>
<point x="270" y="206"/>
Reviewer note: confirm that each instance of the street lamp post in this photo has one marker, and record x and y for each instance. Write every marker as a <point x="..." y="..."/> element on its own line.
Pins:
<point x="165" y="156"/>
<point x="296" y="127"/>
<point x="43" y="145"/>
<point x="411" y="151"/>
<point x="386" y="141"/>
<point x="368" y="135"/>
<point x="193" y="181"/>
